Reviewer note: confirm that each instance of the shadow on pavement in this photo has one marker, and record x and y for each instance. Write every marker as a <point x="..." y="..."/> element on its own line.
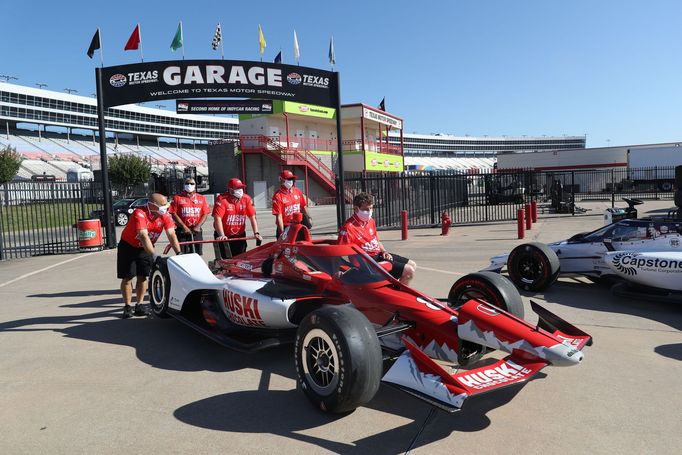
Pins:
<point x="571" y="293"/>
<point x="89" y="293"/>
<point x="170" y="345"/>
<point x="673" y="351"/>
<point x="288" y="414"/>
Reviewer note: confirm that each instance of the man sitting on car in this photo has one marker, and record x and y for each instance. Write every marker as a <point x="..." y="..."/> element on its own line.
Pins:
<point x="360" y="229"/>
<point x="135" y="253"/>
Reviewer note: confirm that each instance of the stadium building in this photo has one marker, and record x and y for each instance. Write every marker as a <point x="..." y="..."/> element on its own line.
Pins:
<point x="57" y="133"/>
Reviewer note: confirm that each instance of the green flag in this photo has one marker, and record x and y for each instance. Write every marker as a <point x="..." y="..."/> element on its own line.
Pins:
<point x="177" y="39"/>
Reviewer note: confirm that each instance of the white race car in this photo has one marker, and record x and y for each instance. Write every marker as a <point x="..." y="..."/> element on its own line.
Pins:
<point x="647" y="251"/>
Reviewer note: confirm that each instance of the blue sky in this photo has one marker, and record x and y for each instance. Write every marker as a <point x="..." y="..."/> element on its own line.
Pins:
<point x="608" y="69"/>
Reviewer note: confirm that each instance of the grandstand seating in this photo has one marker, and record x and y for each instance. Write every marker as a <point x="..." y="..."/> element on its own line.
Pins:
<point x="39" y="167"/>
<point x="446" y="163"/>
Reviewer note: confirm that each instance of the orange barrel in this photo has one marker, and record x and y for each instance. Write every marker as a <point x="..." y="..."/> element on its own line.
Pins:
<point x="89" y="235"/>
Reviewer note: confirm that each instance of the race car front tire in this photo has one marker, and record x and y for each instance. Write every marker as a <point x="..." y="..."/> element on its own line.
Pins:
<point x="489" y="287"/>
<point x="159" y="288"/>
<point x="338" y="358"/>
<point x="533" y="266"/>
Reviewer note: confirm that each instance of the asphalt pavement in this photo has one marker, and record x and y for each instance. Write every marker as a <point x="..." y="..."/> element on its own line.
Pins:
<point x="75" y="378"/>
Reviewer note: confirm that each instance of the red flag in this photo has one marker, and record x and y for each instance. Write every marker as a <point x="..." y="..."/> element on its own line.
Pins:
<point x="134" y="40"/>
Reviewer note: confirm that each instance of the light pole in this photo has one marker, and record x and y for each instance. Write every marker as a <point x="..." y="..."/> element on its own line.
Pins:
<point x="40" y="85"/>
<point x="70" y="90"/>
<point x="8" y="78"/>
<point x="160" y="106"/>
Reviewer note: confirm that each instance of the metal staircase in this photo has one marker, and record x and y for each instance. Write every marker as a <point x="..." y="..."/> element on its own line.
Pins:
<point x="292" y="156"/>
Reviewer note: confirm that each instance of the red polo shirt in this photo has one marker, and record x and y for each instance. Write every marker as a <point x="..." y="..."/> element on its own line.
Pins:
<point x="190" y="208"/>
<point x="233" y="213"/>
<point x="362" y="233"/>
<point x="142" y="219"/>
<point x="287" y="202"/>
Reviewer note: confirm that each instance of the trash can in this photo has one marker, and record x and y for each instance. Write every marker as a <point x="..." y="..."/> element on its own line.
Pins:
<point x="90" y="235"/>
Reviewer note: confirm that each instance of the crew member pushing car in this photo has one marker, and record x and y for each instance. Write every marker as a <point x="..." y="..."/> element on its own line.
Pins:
<point x="287" y="201"/>
<point x="230" y="212"/>
<point x="190" y="210"/>
<point x="135" y="253"/>
<point x="360" y="229"/>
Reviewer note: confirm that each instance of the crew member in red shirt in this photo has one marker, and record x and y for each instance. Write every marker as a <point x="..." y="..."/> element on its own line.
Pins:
<point x="229" y="218"/>
<point x="190" y="210"/>
<point x="135" y="253"/>
<point x="360" y="229"/>
<point x="288" y="200"/>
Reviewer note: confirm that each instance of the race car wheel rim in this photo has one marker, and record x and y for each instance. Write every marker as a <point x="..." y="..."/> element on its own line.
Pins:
<point x="530" y="269"/>
<point x="158" y="286"/>
<point x="122" y="219"/>
<point x="320" y="362"/>
<point x="471" y="294"/>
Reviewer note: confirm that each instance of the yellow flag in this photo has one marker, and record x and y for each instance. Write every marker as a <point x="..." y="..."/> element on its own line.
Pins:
<point x="261" y="40"/>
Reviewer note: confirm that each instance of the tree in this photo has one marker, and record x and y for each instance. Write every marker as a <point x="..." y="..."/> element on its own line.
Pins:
<point x="128" y="171"/>
<point x="10" y="161"/>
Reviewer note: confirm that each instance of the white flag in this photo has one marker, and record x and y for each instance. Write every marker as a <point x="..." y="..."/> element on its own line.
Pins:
<point x="217" y="37"/>
<point x="297" y="50"/>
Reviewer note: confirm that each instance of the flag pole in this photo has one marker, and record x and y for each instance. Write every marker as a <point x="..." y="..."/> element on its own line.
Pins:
<point x="182" y="40"/>
<point x="222" y="49"/>
<point x="139" y="32"/>
<point x="101" y="48"/>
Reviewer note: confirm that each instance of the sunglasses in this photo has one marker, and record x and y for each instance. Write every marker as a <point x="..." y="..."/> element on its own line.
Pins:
<point x="291" y="179"/>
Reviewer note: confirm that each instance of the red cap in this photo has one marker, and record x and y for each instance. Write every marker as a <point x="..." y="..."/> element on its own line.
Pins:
<point x="287" y="175"/>
<point x="235" y="183"/>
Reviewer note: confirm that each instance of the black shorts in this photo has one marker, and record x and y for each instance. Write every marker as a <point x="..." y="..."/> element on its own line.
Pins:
<point x="397" y="264"/>
<point x="236" y="247"/>
<point x="196" y="248"/>
<point x="132" y="261"/>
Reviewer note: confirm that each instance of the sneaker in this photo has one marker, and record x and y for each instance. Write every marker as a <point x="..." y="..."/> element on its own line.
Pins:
<point x="140" y="310"/>
<point x="127" y="311"/>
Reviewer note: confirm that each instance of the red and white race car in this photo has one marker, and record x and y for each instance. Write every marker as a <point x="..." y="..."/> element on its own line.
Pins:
<point x="348" y="319"/>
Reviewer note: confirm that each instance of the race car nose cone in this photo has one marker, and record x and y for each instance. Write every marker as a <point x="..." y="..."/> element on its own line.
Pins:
<point x="563" y="356"/>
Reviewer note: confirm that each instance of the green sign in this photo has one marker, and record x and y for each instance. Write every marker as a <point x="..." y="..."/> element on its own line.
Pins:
<point x="375" y="161"/>
<point x="309" y="110"/>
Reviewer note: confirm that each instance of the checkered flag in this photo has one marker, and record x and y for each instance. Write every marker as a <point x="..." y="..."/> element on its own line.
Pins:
<point x="217" y="38"/>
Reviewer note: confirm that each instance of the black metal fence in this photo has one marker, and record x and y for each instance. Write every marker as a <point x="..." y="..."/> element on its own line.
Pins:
<point x="41" y="218"/>
<point x="476" y="197"/>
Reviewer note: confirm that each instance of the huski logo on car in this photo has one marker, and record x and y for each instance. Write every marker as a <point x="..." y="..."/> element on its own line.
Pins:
<point x="617" y="261"/>
<point x="506" y="372"/>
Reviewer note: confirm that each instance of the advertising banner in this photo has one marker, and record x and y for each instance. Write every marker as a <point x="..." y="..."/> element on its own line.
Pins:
<point x="309" y="110"/>
<point x="152" y="81"/>
<point x="382" y="118"/>
<point x="375" y="161"/>
<point x="223" y="106"/>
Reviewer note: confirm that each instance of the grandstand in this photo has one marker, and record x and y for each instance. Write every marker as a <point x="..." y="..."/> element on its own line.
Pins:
<point x="57" y="132"/>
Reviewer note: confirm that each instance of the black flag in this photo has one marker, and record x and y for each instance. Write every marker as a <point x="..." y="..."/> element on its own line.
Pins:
<point x="382" y="105"/>
<point x="94" y="44"/>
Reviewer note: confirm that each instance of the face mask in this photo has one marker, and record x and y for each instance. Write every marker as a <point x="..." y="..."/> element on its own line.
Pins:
<point x="238" y="193"/>
<point x="364" y="215"/>
<point x="160" y="209"/>
<point x="189" y="187"/>
<point x="288" y="184"/>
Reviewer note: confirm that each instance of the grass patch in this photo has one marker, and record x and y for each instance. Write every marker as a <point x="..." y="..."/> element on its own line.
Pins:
<point x="43" y="215"/>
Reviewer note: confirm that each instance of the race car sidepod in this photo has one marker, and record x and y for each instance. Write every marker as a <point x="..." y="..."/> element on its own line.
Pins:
<point x="552" y="342"/>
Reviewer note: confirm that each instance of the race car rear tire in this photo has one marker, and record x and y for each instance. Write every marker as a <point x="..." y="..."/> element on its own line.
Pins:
<point x="159" y="288"/>
<point x="490" y="287"/>
<point x="338" y="358"/>
<point x="533" y="266"/>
